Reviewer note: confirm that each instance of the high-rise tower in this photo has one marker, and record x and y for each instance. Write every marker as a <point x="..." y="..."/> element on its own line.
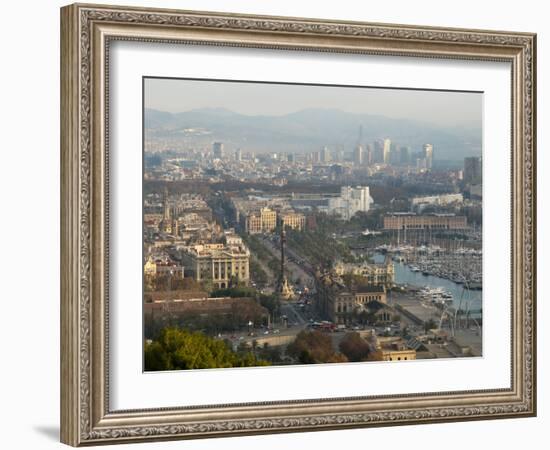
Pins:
<point x="325" y="155"/>
<point x="217" y="150"/>
<point x="378" y="153"/>
<point x="472" y="170"/>
<point x="404" y="156"/>
<point x="238" y="155"/>
<point x="429" y="155"/>
<point x="387" y="151"/>
<point x="358" y="155"/>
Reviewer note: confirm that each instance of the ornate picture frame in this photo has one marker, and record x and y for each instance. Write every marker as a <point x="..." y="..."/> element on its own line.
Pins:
<point x="87" y="32"/>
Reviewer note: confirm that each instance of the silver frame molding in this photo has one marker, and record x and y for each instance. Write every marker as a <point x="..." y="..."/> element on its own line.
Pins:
<point x="86" y="32"/>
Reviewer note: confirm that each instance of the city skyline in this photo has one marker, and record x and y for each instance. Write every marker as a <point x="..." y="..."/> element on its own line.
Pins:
<point x="315" y="237"/>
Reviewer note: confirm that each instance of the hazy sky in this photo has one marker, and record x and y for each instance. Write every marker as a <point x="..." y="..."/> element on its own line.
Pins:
<point x="437" y="107"/>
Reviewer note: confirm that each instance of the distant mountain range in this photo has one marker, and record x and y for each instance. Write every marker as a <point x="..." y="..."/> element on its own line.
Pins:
<point x="308" y="130"/>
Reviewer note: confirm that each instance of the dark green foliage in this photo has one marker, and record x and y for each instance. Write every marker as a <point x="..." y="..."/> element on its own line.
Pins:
<point x="178" y="349"/>
<point x="271" y="302"/>
<point x="269" y="353"/>
<point x="318" y="248"/>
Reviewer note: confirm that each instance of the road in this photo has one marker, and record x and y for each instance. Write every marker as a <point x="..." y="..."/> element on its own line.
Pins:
<point x="294" y="315"/>
<point x="297" y="271"/>
<point x="272" y="278"/>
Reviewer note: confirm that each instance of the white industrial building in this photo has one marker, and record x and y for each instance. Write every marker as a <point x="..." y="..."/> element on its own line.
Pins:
<point x="350" y="201"/>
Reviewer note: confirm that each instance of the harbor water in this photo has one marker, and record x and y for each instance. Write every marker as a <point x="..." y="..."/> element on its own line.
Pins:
<point x="404" y="275"/>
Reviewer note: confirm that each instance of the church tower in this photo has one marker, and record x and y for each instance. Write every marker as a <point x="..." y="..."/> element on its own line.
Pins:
<point x="165" y="206"/>
<point x="166" y="222"/>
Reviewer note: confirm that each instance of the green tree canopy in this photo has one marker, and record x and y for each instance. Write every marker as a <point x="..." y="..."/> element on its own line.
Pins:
<point x="177" y="349"/>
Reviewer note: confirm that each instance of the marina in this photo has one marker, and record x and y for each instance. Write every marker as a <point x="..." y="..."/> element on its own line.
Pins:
<point x="462" y="298"/>
<point x="461" y="265"/>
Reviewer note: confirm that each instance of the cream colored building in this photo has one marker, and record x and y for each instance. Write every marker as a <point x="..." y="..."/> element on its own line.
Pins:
<point x="391" y="349"/>
<point x="294" y="220"/>
<point x="342" y="306"/>
<point x="376" y="274"/>
<point x="386" y="354"/>
<point x="162" y="266"/>
<point x="221" y="263"/>
<point x="262" y="221"/>
<point x="150" y="267"/>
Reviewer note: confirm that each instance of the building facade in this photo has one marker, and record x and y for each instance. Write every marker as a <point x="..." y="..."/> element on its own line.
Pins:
<point x="294" y="220"/>
<point x="343" y="306"/>
<point x="262" y="221"/>
<point x="410" y="221"/>
<point x="393" y="354"/>
<point x="166" y="224"/>
<point x="220" y="263"/>
<point x="170" y="304"/>
<point x="390" y="349"/>
<point x="382" y="274"/>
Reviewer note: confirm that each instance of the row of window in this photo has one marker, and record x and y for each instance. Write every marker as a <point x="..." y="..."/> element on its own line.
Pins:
<point x="222" y="274"/>
<point x="368" y="298"/>
<point x="398" y="358"/>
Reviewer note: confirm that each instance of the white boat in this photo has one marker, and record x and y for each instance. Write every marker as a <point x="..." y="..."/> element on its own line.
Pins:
<point x="368" y="232"/>
<point x="435" y="295"/>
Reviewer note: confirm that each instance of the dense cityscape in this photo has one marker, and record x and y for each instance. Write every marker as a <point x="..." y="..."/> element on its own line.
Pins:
<point x="369" y="253"/>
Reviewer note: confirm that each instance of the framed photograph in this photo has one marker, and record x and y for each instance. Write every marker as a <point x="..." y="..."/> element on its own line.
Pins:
<point x="276" y="224"/>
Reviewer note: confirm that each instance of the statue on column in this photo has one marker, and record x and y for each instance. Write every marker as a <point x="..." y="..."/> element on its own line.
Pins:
<point x="284" y="288"/>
